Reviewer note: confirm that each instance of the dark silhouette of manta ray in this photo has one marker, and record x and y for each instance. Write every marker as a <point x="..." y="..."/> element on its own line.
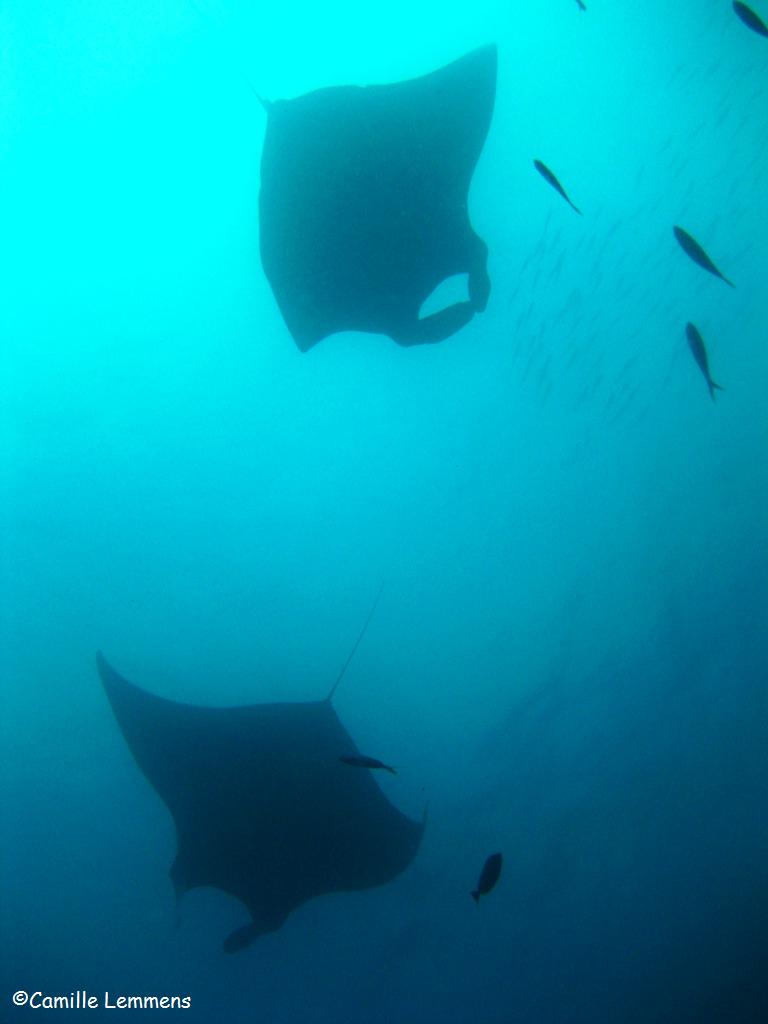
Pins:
<point x="363" y="203"/>
<point x="263" y="807"/>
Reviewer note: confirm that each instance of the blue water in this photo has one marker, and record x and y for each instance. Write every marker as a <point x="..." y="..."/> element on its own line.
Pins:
<point x="569" y="656"/>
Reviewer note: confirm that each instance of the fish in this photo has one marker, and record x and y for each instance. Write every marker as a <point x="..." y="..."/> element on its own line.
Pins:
<point x="489" y="876"/>
<point x="361" y="761"/>
<point x="750" y="19"/>
<point x="691" y="248"/>
<point x="581" y="5"/>
<point x="699" y="351"/>
<point x="550" y="178"/>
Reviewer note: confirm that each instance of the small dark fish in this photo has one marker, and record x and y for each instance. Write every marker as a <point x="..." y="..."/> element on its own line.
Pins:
<point x="549" y="177"/>
<point x="750" y="19"/>
<point x="692" y="248"/>
<point x="489" y="876"/>
<point x="699" y="350"/>
<point x="361" y="761"/>
<point x="582" y="6"/>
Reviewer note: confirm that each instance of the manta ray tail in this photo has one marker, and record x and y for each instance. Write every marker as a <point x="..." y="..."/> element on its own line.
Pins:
<point x="360" y="636"/>
<point x="226" y="45"/>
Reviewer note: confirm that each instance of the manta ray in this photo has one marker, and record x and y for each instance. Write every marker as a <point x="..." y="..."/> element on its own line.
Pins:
<point x="264" y="809"/>
<point x="363" y="203"/>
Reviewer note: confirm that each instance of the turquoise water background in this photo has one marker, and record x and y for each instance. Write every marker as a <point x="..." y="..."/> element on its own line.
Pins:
<point x="569" y="656"/>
